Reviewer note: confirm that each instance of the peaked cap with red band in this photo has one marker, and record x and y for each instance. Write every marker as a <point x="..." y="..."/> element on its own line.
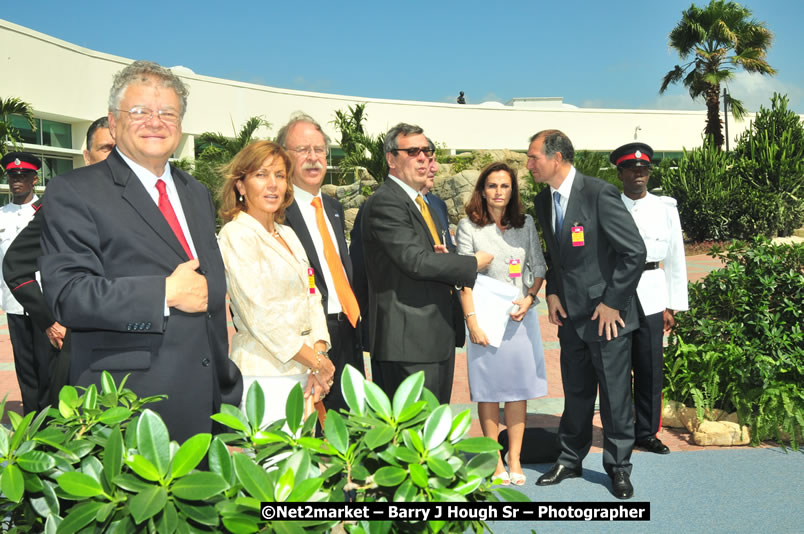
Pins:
<point x="632" y="155"/>
<point x="20" y="162"/>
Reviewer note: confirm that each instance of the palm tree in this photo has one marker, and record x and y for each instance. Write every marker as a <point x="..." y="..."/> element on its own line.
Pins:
<point x="720" y="38"/>
<point x="8" y="134"/>
<point x="214" y="150"/>
<point x="360" y="150"/>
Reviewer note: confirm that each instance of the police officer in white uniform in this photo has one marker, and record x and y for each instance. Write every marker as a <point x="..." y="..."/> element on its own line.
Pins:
<point x="30" y="344"/>
<point x="662" y="289"/>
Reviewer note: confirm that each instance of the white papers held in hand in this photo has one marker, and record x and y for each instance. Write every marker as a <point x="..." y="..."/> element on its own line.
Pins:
<point x="492" y="300"/>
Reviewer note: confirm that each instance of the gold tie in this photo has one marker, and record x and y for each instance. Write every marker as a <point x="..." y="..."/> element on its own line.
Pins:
<point x="342" y="288"/>
<point x="428" y="219"/>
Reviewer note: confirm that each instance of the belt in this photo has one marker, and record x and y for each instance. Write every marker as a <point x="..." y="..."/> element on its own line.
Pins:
<point x="651" y="265"/>
<point x="340" y="317"/>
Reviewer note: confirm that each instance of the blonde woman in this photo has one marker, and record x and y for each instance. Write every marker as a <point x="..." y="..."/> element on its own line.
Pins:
<point x="282" y="337"/>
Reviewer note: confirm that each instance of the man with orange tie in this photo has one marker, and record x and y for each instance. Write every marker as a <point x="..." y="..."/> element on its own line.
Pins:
<point x="319" y="224"/>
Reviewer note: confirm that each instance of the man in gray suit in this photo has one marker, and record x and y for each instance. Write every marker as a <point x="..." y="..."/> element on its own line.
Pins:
<point x="595" y="258"/>
<point x="131" y="262"/>
<point x="411" y="286"/>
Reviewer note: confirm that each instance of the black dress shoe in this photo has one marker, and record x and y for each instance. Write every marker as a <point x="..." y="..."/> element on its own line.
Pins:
<point x="621" y="485"/>
<point x="653" y="444"/>
<point x="558" y="473"/>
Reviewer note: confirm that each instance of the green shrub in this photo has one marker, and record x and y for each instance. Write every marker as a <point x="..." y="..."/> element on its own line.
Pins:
<point x="740" y="347"/>
<point x="104" y="463"/>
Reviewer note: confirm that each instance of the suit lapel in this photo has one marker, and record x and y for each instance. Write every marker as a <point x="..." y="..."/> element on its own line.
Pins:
<point x="547" y="209"/>
<point x="190" y="208"/>
<point x="411" y="206"/>
<point x="135" y="194"/>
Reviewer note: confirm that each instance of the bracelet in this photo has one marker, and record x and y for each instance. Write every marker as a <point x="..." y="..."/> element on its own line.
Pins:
<point x="468" y="315"/>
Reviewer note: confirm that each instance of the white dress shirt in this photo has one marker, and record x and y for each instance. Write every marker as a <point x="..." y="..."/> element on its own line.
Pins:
<point x="305" y="202"/>
<point x="660" y="227"/>
<point x="13" y="218"/>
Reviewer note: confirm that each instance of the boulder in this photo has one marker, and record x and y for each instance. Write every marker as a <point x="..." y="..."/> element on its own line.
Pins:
<point x="352" y="202"/>
<point x="670" y="414"/>
<point x="330" y="190"/>
<point x="722" y="433"/>
<point x="349" y="220"/>
<point x="346" y="191"/>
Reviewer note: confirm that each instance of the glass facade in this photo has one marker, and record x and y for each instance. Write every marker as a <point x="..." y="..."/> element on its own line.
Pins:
<point x="47" y="133"/>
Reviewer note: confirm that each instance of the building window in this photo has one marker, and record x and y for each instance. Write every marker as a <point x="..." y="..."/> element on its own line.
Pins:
<point x="52" y="167"/>
<point x="48" y="133"/>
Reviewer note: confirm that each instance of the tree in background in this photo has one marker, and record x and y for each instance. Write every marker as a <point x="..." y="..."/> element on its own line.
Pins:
<point x="719" y="38"/>
<point x="8" y="134"/>
<point x="214" y="150"/>
<point x="359" y="148"/>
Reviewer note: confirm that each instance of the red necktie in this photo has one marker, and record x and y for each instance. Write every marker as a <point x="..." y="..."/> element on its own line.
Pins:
<point x="342" y="288"/>
<point x="167" y="210"/>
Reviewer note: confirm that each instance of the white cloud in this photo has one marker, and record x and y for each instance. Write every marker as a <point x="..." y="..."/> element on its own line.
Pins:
<point x="756" y="90"/>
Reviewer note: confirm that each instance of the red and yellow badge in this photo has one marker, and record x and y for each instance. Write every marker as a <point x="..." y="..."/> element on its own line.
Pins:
<point x="311" y="280"/>
<point x="577" y="236"/>
<point x="514" y="269"/>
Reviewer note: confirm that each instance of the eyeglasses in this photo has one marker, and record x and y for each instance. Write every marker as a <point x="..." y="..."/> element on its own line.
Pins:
<point x="139" y="114"/>
<point x="414" y="151"/>
<point x="303" y="150"/>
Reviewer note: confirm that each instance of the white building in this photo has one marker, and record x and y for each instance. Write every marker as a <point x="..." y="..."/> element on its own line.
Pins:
<point x="68" y="86"/>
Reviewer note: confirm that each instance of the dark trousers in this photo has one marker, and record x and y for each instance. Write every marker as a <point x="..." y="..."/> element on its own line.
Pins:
<point x="32" y="357"/>
<point x="585" y="366"/>
<point x="648" y="363"/>
<point x="437" y="376"/>
<point x="345" y="348"/>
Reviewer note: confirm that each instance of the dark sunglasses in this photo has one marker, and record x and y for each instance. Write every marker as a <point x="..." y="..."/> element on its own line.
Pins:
<point x="414" y="151"/>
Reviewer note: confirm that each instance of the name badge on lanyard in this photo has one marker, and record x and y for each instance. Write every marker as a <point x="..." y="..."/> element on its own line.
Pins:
<point x="514" y="269"/>
<point x="311" y="280"/>
<point x="577" y="236"/>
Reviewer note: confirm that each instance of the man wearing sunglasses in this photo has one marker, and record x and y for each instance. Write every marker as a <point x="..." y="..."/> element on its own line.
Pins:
<point x="411" y="286"/>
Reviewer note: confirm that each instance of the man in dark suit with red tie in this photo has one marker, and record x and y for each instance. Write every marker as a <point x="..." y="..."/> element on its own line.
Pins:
<point x="131" y="262"/>
<point x="318" y="222"/>
<point x="595" y="258"/>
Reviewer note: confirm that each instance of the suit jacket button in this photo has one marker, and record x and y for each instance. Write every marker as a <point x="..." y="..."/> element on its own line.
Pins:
<point x="148" y="326"/>
<point x="129" y="327"/>
<point x="205" y="362"/>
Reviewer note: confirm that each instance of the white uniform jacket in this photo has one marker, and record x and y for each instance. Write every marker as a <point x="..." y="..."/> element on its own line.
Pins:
<point x="660" y="228"/>
<point x="13" y="218"/>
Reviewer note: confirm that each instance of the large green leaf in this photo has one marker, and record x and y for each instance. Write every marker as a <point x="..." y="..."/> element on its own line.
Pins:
<point x="482" y="465"/>
<point x="255" y="405"/>
<point x="79" y="516"/>
<point x="477" y="445"/>
<point x="20" y="431"/>
<point x="131" y="483"/>
<point x="335" y="431"/>
<point x="253" y="478"/>
<point x="405" y="492"/>
<point x="3" y="441"/>
<point x="441" y="468"/>
<point x="469" y="485"/>
<point x="219" y="460"/>
<point x="352" y="389"/>
<point x="230" y="421"/>
<point x="447" y="495"/>
<point x="413" y="440"/>
<point x="408" y="392"/>
<point x="115" y="415"/>
<point x="199" y="486"/>
<point x="294" y="408"/>
<point x="91" y="397"/>
<point x="300" y="462"/>
<point x="378" y="436"/>
<point x="79" y="485"/>
<point x="460" y="425"/>
<point x="240" y="524"/>
<point x="35" y="461"/>
<point x="48" y="503"/>
<point x="12" y="483"/>
<point x="404" y="454"/>
<point x="190" y="454"/>
<point x="411" y="411"/>
<point x="107" y="383"/>
<point x="418" y="474"/>
<point x="512" y="495"/>
<point x="204" y="513"/>
<point x="168" y="520"/>
<point x="284" y="485"/>
<point x="437" y="427"/>
<point x="305" y="489"/>
<point x="378" y="400"/>
<point x="143" y="467"/>
<point x="153" y="442"/>
<point x="113" y="455"/>
<point x="390" y="476"/>
<point x="147" y="503"/>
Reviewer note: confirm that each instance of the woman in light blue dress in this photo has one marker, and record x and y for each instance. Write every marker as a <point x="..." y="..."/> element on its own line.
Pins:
<point x="513" y="372"/>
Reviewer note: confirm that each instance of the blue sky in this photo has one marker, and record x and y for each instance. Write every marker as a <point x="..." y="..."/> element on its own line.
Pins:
<point x="593" y="54"/>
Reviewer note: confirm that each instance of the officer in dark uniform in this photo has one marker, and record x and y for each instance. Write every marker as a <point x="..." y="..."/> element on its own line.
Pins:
<point x="31" y="345"/>
<point x="662" y="288"/>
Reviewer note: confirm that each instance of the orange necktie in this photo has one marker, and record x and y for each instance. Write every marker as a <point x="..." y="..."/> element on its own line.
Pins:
<point x="342" y="287"/>
<point x="428" y="219"/>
